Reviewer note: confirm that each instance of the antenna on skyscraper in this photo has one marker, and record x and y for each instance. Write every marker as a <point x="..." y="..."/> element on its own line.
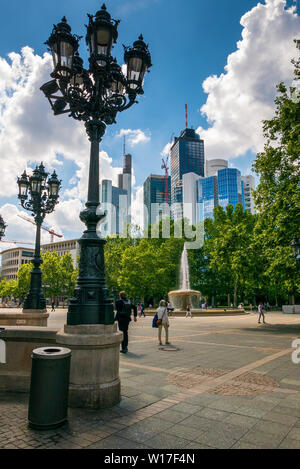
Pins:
<point x="186" y="116"/>
<point x="124" y="147"/>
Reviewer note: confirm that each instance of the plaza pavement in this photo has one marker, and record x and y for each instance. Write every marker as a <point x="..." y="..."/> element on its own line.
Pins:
<point x="224" y="383"/>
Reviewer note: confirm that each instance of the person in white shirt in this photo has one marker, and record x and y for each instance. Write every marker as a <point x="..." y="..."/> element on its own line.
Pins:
<point x="162" y="314"/>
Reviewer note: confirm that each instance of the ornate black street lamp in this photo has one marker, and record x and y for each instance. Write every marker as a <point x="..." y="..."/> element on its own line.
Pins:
<point x="38" y="193"/>
<point x="2" y="227"/>
<point x="94" y="96"/>
<point x="296" y="249"/>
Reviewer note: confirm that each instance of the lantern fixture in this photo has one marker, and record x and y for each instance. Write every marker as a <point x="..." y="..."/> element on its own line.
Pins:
<point x="36" y="182"/>
<point x="63" y="46"/>
<point x="138" y="61"/>
<point x="24" y="185"/>
<point x="102" y="33"/>
<point x="54" y="184"/>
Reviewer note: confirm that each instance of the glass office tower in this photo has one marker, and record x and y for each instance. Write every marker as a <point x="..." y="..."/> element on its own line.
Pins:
<point x="230" y="187"/>
<point x="207" y="197"/>
<point x="155" y="199"/>
<point x="187" y="156"/>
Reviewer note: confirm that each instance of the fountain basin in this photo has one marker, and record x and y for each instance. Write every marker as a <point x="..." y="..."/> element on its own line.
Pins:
<point x="181" y="298"/>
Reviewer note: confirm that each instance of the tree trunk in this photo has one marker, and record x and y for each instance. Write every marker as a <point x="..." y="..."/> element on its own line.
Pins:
<point x="228" y="300"/>
<point x="235" y="295"/>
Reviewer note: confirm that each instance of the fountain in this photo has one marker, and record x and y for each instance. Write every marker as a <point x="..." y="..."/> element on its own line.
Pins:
<point x="181" y="298"/>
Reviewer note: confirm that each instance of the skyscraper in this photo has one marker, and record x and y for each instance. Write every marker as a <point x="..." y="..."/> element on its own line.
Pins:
<point x="230" y="187"/>
<point x="187" y="156"/>
<point x="190" y="197"/>
<point x="154" y="198"/>
<point x="125" y="181"/>
<point x="114" y="201"/>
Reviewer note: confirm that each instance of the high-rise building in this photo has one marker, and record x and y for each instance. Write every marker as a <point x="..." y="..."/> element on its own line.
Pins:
<point x="249" y="187"/>
<point x="207" y="197"/>
<point x="190" y="197"/>
<point x="114" y="200"/>
<point x="213" y="166"/>
<point x="125" y="181"/>
<point x="187" y="156"/>
<point x="155" y="199"/>
<point x="230" y="187"/>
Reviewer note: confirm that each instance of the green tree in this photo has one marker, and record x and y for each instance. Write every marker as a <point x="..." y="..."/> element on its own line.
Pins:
<point x="23" y="277"/>
<point x="277" y="196"/>
<point x="229" y="247"/>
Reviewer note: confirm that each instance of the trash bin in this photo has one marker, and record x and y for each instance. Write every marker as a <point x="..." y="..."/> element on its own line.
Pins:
<point x="49" y="387"/>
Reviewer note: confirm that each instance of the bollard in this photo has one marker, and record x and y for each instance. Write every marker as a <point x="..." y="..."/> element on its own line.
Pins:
<point x="49" y="388"/>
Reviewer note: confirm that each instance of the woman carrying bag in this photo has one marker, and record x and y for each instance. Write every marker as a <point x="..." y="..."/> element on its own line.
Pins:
<point x="163" y="321"/>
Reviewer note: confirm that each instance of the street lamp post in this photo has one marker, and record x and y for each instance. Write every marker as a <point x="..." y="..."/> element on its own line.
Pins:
<point x="38" y="193"/>
<point x="2" y="227"/>
<point x="93" y="96"/>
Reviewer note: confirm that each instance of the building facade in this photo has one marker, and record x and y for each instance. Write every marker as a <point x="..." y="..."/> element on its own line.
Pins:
<point x="62" y="248"/>
<point x="213" y="166"/>
<point x="115" y="201"/>
<point x="155" y="199"/>
<point x="249" y="187"/>
<point x="125" y="183"/>
<point x="190" y="197"/>
<point x="207" y="197"/>
<point x="230" y="187"/>
<point x="187" y="156"/>
<point x="12" y="260"/>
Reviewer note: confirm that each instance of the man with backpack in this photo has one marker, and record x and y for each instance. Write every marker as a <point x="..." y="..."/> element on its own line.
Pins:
<point x="124" y="309"/>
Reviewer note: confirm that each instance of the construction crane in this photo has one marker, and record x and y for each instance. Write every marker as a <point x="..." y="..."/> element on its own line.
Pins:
<point x="166" y="168"/>
<point x="13" y="241"/>
<point x="44" y="227"/>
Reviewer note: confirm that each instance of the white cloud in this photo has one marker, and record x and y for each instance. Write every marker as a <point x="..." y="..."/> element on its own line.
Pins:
<point x="241" y="97"/>
<point x="166" y="149"/>
<point x="134" y="136"/>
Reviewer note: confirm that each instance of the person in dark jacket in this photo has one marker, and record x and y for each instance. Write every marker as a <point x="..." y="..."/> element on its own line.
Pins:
<point x="124" y="309"/>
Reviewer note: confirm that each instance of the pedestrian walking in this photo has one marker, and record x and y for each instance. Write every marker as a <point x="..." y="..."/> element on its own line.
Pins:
<point x="143" y="310"/>
<point x="188" y="311"/>
<point x="124" y="309"/>
<point x="261" y="313"/>
<point x="163" y="318"/>
<point x="139" y="310"/>
<point x="52" y="305"/>
<point x="170" y="309"/>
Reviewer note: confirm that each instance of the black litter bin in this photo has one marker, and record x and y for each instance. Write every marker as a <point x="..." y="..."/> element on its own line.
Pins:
<point x="49" y="387"/>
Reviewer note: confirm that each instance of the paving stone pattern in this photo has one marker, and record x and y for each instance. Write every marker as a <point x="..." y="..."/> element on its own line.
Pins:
<point x="228" y="383"/>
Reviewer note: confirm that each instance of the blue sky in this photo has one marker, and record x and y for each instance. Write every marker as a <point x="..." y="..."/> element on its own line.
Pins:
<point x="189" y="42"/>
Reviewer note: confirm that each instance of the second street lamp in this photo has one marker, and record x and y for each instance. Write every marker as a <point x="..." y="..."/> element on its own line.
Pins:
<point x="2" y="227"/>
<point x="94" y="96"/>
<point x="38" y="194"/>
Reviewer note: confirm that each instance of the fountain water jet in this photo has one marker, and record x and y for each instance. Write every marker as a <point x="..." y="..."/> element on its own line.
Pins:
<point x="181" y="298"/>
